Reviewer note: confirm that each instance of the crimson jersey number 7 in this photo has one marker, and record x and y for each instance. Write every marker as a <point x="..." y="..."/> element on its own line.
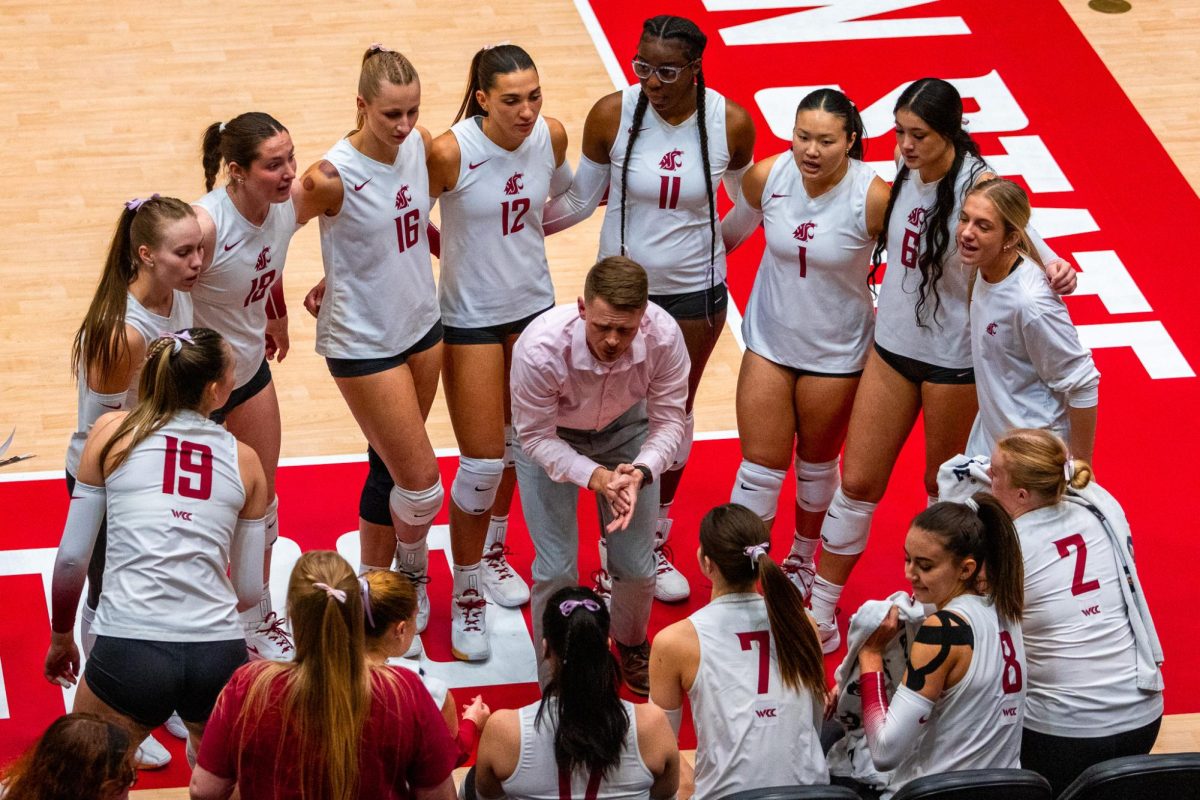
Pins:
<point x="763" y="640"/>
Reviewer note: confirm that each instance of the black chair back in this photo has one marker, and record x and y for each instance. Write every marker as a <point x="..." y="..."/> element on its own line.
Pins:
<point x="978" y="784"/>
<point x="1162" y="776"/>
<point x="795" y="793"/>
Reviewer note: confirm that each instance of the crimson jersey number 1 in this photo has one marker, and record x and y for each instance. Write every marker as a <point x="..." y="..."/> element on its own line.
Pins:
<point x="407" y="229"/>
<point x="187" y="469"/>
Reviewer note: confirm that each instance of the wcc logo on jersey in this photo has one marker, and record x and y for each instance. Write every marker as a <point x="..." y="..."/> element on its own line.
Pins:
<point x="264" y="259"/>
<point x="403" y="197"/>
<point x="671" y="161"/>
<point x="804" y="231"/>
<point x="514" y="184"/>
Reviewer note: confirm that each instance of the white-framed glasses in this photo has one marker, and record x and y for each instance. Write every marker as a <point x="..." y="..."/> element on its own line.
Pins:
<point x="666" y="74"/>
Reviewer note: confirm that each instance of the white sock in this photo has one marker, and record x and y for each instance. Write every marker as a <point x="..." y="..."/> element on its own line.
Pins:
<point x="804" y="547"/>
<point x="256" y="615"/>
<point x="412" y="557"/>
<point x="825" y="596"/>
<point x="467" y="577"/>
<point x="364" y="568"/>
<point x="497" y="528"/>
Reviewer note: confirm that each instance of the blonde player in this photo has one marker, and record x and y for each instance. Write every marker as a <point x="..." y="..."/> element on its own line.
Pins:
<point x="962" y="698"/>
<point x="662" y="145"/>
<point x="248" y="224"/>
<point x="152" y="265"/>
<point x="493" y="172"/>
<point x="809" y="321"/>
<point x="921" y="362"/>
<point x="1030" y="369"/>
<point x="184" y="502"/>
<point x="750" y="665"/>
<point x="377" y="315"/>
<point x="1095" y="689"/>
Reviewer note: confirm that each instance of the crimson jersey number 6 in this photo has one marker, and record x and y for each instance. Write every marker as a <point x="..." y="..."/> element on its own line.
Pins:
<point x="763" y="639"/>
<point x="193" y="459"/>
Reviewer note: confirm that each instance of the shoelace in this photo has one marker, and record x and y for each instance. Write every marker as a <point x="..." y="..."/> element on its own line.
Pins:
<point x="472" y="608"/>
<point x="417" y="578"/>
<point x="598" y="578"/>
<point x="663" y="556"/>
<point x="275" y="631"/>
<point x="496" y="556"/>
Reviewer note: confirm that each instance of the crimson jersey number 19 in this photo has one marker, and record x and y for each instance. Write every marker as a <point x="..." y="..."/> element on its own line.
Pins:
<point x="187" y="469"/>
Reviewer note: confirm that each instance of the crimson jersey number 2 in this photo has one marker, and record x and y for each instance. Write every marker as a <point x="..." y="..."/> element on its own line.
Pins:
<point x="187" y="469"/>
<point x="408" y="229"/>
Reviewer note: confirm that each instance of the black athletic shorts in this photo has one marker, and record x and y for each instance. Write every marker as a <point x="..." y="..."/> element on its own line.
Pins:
<point x="694" y="305"/>
<point x="147" y="681"/>
<point x="243" y="393"/>
<point x="491" y="334"/>
<point x="918" y="372"/>
<point x="361" y="367"/>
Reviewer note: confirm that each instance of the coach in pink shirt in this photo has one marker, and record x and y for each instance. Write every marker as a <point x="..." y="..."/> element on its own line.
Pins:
<point x="598" y="391"/>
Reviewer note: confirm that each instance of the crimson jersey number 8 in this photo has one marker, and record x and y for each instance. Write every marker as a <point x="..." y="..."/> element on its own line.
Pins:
<point x="1011" y="677"/>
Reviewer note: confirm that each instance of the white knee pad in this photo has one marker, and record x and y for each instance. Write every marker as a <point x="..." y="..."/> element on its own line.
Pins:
<point x="847" y="525"/>
<point x="416" y="507"/>
<point x="816" y="483"/>
<point x="475" y="483"/>
<point x="757" y="488"/>
<point x="510" y="447"/>
<point x="685" y="444"/>
<point x="271" y="518"/>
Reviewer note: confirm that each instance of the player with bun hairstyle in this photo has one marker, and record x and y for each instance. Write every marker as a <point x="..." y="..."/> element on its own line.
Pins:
<point x="145" y="288"/>
<point x="79" y="757"/>
<point x="962" y="698"/>
<point x="1095" y="687"/>
<point x="378" y="324"/>
<point x="662" y="145"/>
<point x="581" y="739"/>
<point x="184" y="503"/>
<point x="1030" y="368"/>
<point x="330" y="724"/>
<point x="810" y="317"/>
<point x="921" y="363"/>
<point x="247" y="226"/>
<point x="742" y="654"/>
<point x="493" y="171"/>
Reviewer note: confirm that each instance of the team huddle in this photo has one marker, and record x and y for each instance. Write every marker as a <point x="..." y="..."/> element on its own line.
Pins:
<point x="1026" y="631"/>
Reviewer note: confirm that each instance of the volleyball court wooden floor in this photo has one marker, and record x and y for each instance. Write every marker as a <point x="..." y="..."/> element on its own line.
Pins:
<point x="103" y="102"/>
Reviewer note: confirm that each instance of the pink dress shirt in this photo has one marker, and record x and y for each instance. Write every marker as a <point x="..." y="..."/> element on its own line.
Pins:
<point x="557" y="382"/>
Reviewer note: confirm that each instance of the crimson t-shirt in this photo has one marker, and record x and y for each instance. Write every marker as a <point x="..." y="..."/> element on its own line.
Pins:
<point x="405" y="744"/>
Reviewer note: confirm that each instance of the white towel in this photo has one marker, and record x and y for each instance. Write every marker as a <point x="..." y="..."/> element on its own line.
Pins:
<point x="849" y="757"/>
<point x="963" y="476"/>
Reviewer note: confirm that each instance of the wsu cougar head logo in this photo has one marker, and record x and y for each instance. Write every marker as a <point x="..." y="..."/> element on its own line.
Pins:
<point x="991" y="328"/>
<point x="403" y="197"/>
<point x="804" y="231"/>
<point x="514" y="184"/>
<point x="916" y="217"/>
<point x="264" y="258"/>
<point x="672" y="160"/>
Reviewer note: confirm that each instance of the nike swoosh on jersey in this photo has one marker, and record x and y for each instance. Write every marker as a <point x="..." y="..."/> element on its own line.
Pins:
<point x="480" y="164"/>
<point x="114" y="408"/>
<point x="358" y="186"/>
<point x="229" y="247"/>
<point x="923" y="720"/>
<point x="773" y="195"/>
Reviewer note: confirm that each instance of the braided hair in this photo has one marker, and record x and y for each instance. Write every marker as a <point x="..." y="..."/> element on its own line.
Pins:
<point x="938" y="104"/>
<point x="693" y="39"/>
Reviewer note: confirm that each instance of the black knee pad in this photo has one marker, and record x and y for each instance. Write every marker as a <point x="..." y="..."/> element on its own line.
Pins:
<point x="373" y="501"/>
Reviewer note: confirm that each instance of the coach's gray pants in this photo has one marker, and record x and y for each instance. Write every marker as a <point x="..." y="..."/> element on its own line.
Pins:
<point x="550" y="515"/>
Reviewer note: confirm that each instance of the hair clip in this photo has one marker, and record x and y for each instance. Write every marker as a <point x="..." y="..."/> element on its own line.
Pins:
<point x="971" y="504"/>
<point x="180" y="337"/>
<point x="756" y="550"/>
<point x="365" y="588"/>
<point x="336" y="594"/>
<point x="220" y="127"/>
<point x="1069" y="468"/>
<point x="376" y="47"/>
<point x="136" y="203"/>
<point x="497" y="44"/>
<point x="566" y="607"/>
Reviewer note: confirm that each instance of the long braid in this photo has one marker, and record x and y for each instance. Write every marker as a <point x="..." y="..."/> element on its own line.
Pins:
<point x="881" y="240"/>
<point x="708" y="185"/>
<point x="639" y="113"/>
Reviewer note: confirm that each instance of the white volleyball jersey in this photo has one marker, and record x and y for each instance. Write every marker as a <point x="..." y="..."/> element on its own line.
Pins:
<point x="231" y="294"/>
<point x="149" y="326"/>
<point x="752" y="731"/>
<point x="1078" y="641"/>
<point x="667" y="227"/>
<point x="1029" y="364"/>
<point x="173" y="507"/>
<point x="494" y="267"/>
<point x="943" y="340"/>
<point x="536" y="775"/>
<point x="976" y="724"/>
<point x="379" y="293"/>
<point x="811" y="307"/>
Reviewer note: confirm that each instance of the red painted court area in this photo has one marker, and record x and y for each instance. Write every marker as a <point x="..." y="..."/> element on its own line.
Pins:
<point x="1045" y="111"/>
